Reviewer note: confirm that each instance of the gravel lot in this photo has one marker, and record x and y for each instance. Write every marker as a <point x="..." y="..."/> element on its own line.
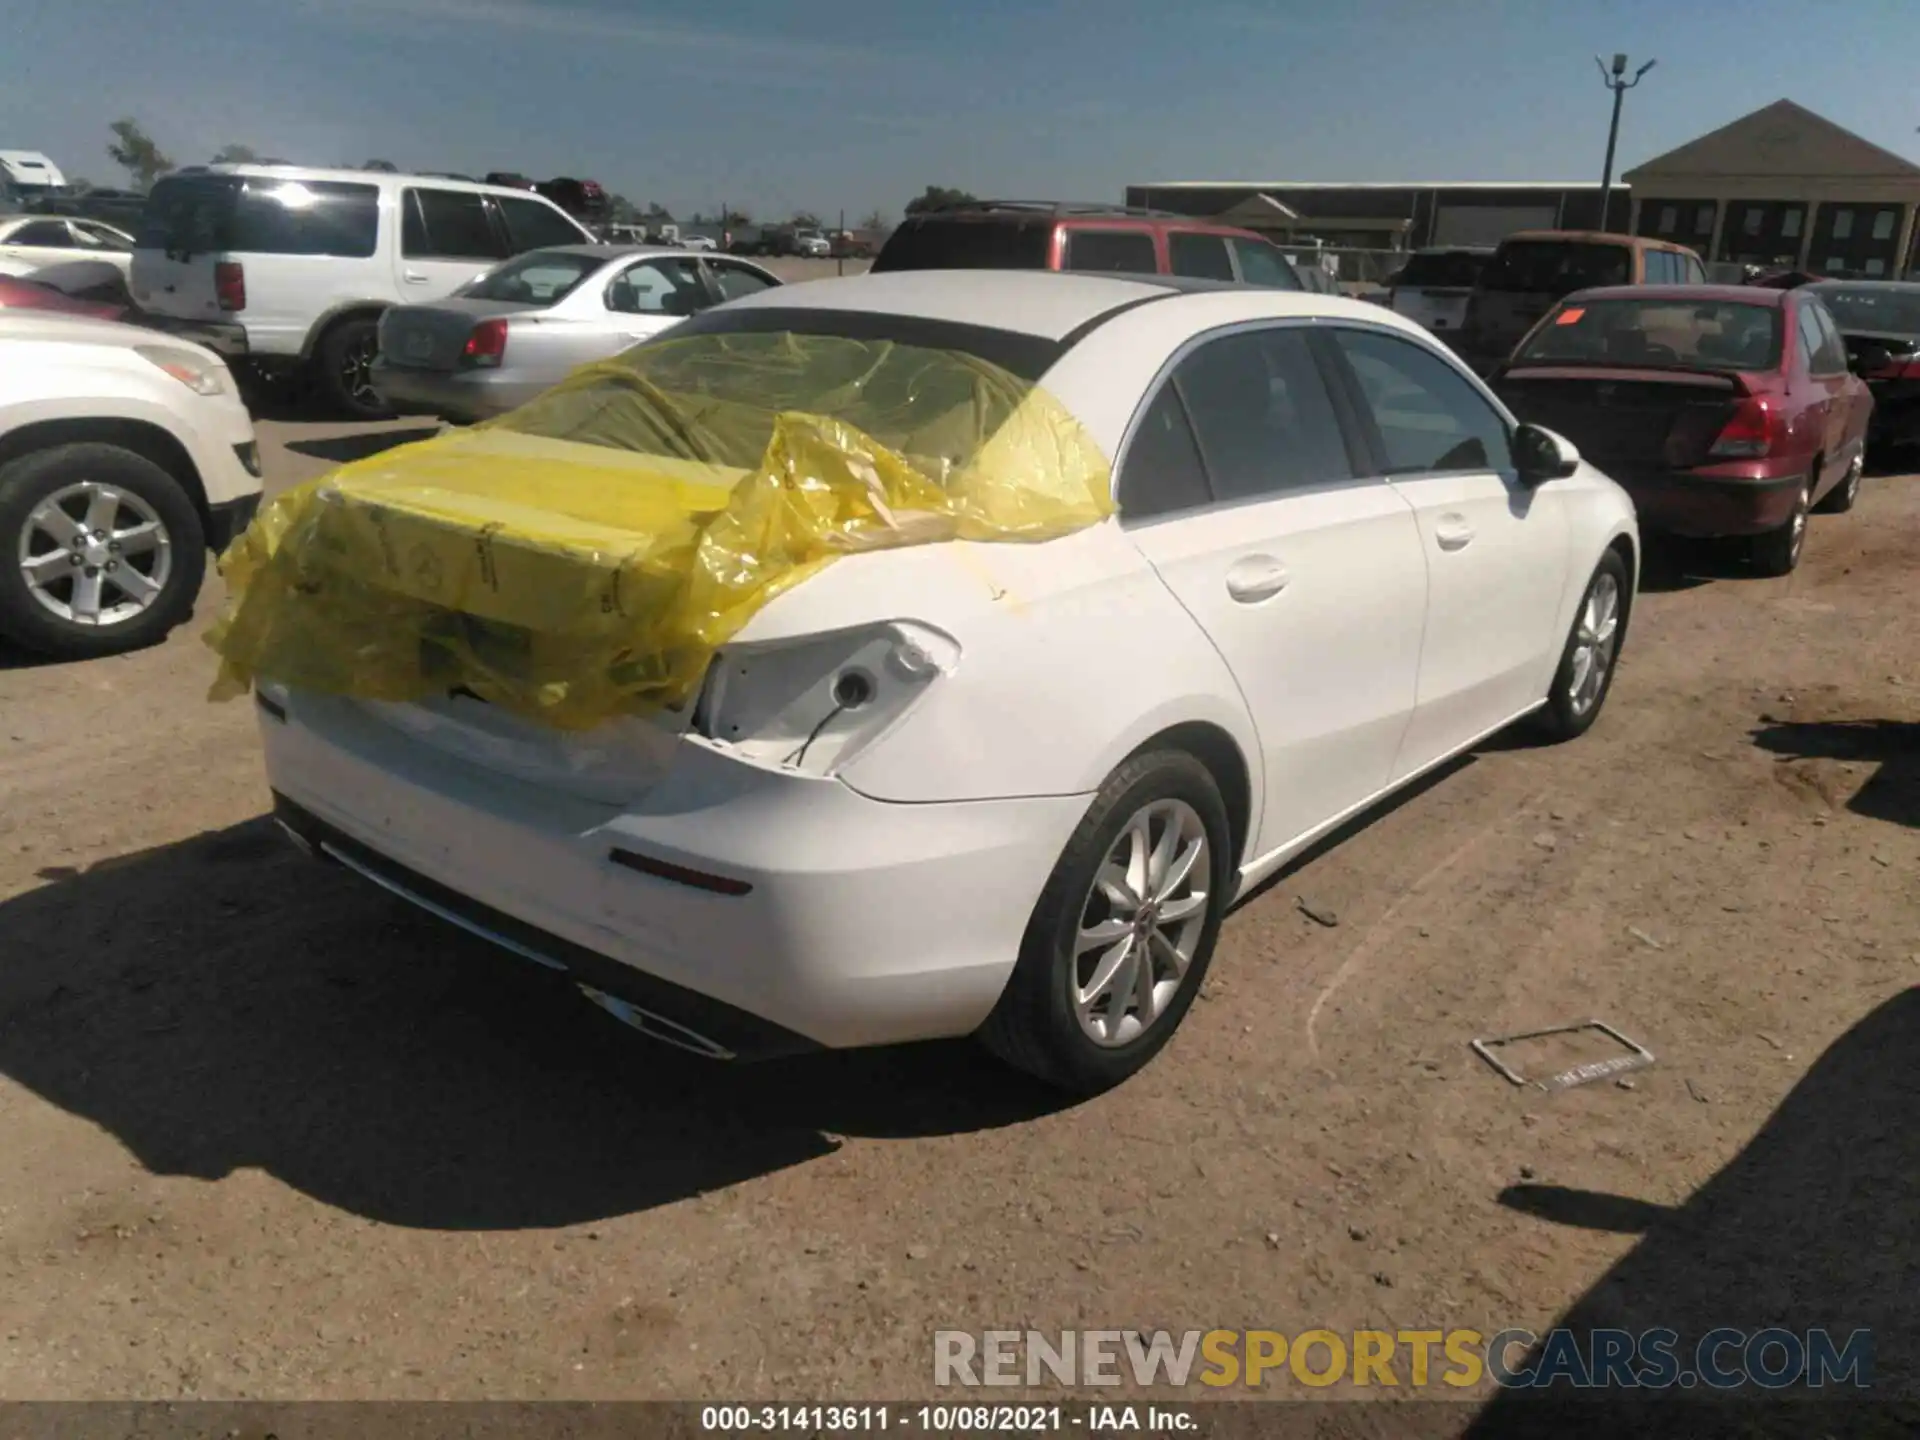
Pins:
<point x="271" y="1134"/>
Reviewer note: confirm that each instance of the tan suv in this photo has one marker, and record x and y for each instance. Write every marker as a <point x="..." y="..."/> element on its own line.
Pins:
<point x="1104" y="239"/>
<point x="1533" y="270"/>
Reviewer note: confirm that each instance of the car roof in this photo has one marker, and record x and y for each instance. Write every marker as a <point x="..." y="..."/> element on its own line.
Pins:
<point x="1598" y="237"/>
<point x="359" y="177"/>
<point x="1725" y="294"/>
<point x="1047" y="304"/>
<point x="1837" y="282"/>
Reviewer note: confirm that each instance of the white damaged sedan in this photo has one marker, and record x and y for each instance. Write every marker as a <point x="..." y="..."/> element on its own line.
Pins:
<point x="1011" y="790"/>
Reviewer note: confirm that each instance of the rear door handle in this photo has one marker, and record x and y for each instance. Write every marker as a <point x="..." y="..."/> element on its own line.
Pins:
<point x="1453" y="532"/>
<point x="413" y="277"/>
<point x="1254" y="578"/>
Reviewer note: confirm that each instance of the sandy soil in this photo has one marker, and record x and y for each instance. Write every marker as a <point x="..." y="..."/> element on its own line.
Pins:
<point x="270" y="1134"/>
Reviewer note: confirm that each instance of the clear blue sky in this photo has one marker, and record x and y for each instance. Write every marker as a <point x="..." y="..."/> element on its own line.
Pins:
<point x="773" y="105"/>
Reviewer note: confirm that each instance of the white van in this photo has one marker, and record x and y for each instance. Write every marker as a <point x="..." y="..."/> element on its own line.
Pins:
<point x="290" y="268"/>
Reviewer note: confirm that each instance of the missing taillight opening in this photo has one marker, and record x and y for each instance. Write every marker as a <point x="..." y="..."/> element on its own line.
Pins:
<point x="487" y="345"/>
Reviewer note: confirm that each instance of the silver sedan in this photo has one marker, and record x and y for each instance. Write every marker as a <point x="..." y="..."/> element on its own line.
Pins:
<point x="500" y="340"/>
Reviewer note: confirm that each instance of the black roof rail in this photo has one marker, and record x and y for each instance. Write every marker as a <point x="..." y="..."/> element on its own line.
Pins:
<point x="1067" y="207"/>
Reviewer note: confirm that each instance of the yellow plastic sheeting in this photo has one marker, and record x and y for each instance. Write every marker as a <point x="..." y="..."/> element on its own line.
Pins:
<point x="584" y="556"/>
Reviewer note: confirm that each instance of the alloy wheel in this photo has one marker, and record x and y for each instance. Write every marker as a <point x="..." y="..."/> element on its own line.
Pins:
<point x="356" y="369"/>
<point x="1595" y="638"/>
<point x="1142" y="923"/>
<point x="95" y="554"/>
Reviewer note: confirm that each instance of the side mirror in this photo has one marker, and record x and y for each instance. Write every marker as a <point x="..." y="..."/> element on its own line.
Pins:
<point x="1540" y="455"/>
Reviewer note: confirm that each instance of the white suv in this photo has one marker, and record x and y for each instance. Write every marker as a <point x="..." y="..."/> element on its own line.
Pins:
<point x="290" y="268"/>
<point x="125" y="457"/>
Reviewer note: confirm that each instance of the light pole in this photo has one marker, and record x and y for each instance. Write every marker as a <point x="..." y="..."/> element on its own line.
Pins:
<point x="1616" y="81"/>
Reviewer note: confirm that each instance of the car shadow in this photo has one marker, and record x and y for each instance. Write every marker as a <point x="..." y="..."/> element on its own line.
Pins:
<point x="226" y="1002"/>
<point x="362" y="445"/>
<point x="1669" y="564"/>
<point x="1893" y="794"/>
<point x="1815" y="1224"/>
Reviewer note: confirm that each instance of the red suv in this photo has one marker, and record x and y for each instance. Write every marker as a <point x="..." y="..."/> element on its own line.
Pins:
<point x="1102" y="239"/>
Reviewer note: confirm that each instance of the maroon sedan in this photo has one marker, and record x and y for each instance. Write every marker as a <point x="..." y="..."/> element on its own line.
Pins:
<point x="19" y="294"/>
<point x="1723" y="410"/>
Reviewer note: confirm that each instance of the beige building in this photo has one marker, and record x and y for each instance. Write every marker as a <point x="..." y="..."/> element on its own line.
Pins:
<point x="1784" y="187"/>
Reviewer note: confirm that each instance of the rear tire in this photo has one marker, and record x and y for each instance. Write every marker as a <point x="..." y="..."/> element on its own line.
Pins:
<point x="1844" y="496"/>
<point x="1599" y="630"/>
<point x="343" y="363"/>
<point x="140" y="576"/>
<point x="1057" y="1020"/>
<point x="1778" y="552"/>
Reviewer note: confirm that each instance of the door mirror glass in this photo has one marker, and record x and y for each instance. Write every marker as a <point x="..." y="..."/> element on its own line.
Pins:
<point x="1540" y="455"/>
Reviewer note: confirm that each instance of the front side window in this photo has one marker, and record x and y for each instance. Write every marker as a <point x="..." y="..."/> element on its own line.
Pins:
<point x="1261" y="264"/>
<point x="1162" y="473"/>
<point x="448" y="225"/>
<point x="1428" y="417"/>
<point x="658" y="287"/>
<point x="1202" y="256"/>
<point x="1127" y="252"/>
<point x="735" y="281"/>
<point x="533" y="226"/>
<point x="1262" y="415"/>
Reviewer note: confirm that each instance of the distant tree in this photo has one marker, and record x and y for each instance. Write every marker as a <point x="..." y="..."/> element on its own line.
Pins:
<point x="80" y="185"/>
<point x="385" y="167"/>
<point x="736" y="219"/>
<point x="657" y="211"/>
<point x="937" y="197"/>
<point x="134" y="150"/>
<point x="805" y="220"/>
<point x="236" y="155"/>
<point x="876" y="220"/>
<point x="621" y="211"/>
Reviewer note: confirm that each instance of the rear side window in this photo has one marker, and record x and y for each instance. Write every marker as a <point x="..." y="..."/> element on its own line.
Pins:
<point x="260" y="215"/>
<point x="541" y="278"/>
<point x="1442" y="270"/>
<point x="1260" y="409"/>
<point x="1126" y="252"/>
<point x="1261" y="264"/>
<point x="47" y="234"/>
<point x="924" y="243"/>
<point x="449" y="225"/>
<point x="1202" y="256"/>
<point x="1660" y="268"/>
<point x="1556" y="268"/>
<point x="1162" y="473"/>
<point x="533" y="226"/>
<point x="1830" y="356"/>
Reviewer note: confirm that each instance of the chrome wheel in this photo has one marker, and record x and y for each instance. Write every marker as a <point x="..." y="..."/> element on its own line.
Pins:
<point x="95" y="554"/>
<point x="1797" y="537"/>
<point x="1595" y="637"/>
<point x="1141" y="923"/>
<point x="356" y="369"/>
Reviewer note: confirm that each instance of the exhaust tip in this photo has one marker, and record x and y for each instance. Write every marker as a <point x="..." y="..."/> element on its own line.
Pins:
<point x="658" y="1027"/>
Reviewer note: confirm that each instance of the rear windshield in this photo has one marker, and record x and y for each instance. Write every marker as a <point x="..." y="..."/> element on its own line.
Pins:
<point x="1556" y="267"/>
<point x="1443" y="270"/>
<point x="955" y="244"/>
<point x="543" y="277"/>
<point x="713" y="388"/>
<point x="260" y="215"/>
<point x="1878" y="310"/>
<point x="1658" y="334"/>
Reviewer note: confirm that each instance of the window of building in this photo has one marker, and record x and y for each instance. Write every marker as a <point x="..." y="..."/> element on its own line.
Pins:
<point x="1883" y="224"/>
<point x="1669" y="219"/>
<point x="1790" y="224"/>
<point x="1842" y="224"/>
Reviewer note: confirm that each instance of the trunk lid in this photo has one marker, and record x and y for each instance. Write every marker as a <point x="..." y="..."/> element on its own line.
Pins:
<point x="434" y="337"/>
<point x="1627" y="421"/>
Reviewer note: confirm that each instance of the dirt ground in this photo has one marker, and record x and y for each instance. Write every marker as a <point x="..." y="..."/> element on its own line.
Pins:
<point x="268" y="1133"/>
